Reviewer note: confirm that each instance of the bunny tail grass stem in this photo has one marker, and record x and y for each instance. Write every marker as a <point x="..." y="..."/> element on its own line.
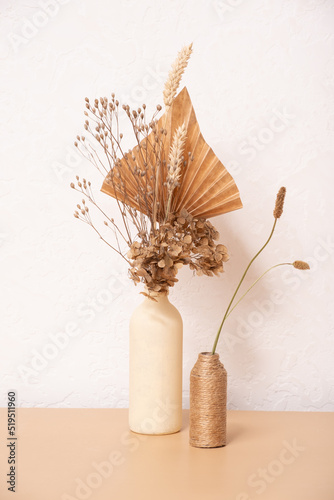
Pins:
<point x="256" y="281"/>
<point x="296" y="264"/>
<point x="239" y="285"/>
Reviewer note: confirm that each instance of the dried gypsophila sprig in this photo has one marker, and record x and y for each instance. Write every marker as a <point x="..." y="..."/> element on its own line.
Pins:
<point x="103" y="127"/>
<point x="175" y="75"/>
<point x="297" y="264"/>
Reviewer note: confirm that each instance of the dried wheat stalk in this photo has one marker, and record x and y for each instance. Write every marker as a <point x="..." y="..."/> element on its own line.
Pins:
<point x="175" y="160"/>
<point x="175" y="75"/>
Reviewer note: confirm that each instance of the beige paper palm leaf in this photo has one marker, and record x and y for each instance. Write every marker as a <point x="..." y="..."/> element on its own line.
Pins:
<point x="206" y="188"/>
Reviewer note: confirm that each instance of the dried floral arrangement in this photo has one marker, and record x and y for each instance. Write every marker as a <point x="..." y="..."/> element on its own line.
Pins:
<point x="165" y="188"/>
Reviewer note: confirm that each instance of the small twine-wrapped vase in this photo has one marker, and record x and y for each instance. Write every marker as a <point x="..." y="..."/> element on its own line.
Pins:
<point x="208" y="385"/>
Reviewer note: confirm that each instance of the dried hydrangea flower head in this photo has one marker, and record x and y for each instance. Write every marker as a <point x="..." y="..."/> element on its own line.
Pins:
<point x="182" y="240"/>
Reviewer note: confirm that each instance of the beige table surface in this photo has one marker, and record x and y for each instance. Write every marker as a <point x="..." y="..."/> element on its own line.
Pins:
<point x="269" y="456"/>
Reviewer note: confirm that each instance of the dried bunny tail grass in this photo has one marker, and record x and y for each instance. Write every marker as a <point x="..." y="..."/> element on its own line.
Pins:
<point x="175" y="75"/>
<point x="300" y="264"/>
<point x="175" y="157"/>
<point x="278" y="210"/>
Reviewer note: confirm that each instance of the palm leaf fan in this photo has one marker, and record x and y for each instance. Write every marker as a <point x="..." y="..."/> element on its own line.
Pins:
<point x="206" y="188"/>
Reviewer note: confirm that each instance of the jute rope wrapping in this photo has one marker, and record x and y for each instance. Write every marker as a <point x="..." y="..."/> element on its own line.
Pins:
<point x="208" y="385"/>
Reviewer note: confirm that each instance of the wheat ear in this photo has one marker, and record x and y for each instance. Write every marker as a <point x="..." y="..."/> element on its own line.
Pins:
<point x="175" y="157"/>
<point x="174" y="162"/>
<point x="175" y="75"/>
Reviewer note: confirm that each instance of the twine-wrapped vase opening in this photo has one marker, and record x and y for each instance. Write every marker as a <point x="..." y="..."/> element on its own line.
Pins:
<point x="208" y="385"/>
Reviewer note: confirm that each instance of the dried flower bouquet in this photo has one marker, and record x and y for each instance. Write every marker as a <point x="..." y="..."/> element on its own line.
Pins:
<point x="165" y="188"/>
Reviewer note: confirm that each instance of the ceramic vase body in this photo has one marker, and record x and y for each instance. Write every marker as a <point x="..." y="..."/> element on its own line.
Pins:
<point x="155" y="391"/>
<point x="208" y="385"/>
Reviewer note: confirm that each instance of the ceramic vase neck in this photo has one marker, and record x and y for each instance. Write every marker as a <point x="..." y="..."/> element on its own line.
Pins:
<point x="157" y="296"/>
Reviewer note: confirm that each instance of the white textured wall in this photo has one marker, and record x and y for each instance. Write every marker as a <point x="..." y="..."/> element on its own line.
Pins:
<point x="261" y="80"/>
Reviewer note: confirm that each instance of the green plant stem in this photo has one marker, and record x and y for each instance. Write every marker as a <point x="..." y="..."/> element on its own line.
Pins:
<point x="237" y="289"/>
<point x="256" y="281"/>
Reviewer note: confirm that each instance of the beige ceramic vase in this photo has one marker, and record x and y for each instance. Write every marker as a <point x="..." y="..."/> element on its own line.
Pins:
<point x="155" y="391"/>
